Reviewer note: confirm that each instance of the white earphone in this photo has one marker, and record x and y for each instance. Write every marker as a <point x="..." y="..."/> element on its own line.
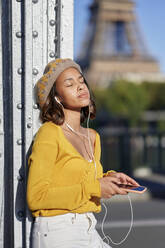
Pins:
<point x="107" y="237"/>
<point x="57" y="100"/>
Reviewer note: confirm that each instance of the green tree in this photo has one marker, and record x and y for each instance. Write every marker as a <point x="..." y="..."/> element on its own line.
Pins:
<point x="124" y="98"/>
<point x="156" y="95"/>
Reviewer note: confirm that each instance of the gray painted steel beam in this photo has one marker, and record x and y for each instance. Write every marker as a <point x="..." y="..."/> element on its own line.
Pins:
<point x="32" y="33"/>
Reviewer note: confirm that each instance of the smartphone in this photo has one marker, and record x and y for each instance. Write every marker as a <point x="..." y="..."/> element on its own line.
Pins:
<point x="132" y="188"/>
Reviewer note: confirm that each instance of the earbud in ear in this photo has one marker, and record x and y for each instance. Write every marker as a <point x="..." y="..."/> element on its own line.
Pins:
<point x="57" y="100"/>
<point x="90" y="107"/>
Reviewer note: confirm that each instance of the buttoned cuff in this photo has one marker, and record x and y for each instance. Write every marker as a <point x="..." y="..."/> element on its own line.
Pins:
<point x="108" y="172"/>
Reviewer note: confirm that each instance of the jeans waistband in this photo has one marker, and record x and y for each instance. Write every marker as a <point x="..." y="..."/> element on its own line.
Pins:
<point x="67" y="215"/>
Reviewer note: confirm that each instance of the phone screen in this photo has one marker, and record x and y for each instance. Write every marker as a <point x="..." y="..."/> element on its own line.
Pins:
<point x="127" y="186"/>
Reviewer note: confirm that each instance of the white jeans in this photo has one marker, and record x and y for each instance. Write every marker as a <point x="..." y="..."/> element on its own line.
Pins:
<point x="71" y="230"/>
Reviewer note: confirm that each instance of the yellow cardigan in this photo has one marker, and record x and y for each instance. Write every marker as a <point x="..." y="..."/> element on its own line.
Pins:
<point x="60" y="180"/>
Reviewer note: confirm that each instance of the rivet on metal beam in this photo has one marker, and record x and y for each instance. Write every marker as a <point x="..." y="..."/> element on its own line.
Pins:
<point x="20" y="178"/>
<point x="35" y="1"/>
<point x="55" y="7"/>
<point x="19" y="142"/>
<point x="20" y="214"/>
<point x="55" y="39"/>
<point x="62" y="38"/>
<point x="19" y="71"/>
<point x="29" y="125"/>
<point x="35" y="71"/>
<point x="35" y="106"/>
<point x="19" y="106"/>
<point x="52" y="22"/>
<point x="35" y="34"/>
<point x="52" y="54"/>
<point x="19" y="34"/>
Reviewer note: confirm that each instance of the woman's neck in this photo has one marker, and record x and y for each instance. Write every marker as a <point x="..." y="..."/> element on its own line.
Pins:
<point x="72" y="117"/>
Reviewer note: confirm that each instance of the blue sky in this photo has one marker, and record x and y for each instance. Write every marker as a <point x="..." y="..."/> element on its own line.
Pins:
<point x="151" y="17"/>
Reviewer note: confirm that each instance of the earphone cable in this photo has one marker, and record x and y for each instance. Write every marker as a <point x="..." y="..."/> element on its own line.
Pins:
<point x="107" y="237"/>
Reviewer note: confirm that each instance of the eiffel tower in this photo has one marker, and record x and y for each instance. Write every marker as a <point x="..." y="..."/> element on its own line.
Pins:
<point x="114" y="47"/>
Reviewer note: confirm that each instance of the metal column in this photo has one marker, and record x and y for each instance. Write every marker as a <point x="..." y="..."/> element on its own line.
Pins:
<point x="33" y="33"/>
<point x="1" y="142"/>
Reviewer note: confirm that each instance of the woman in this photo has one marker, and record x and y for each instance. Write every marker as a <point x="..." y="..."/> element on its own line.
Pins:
<point x="66" y="180"/>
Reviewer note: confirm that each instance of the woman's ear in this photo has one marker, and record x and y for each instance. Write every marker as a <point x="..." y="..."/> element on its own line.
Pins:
<point x="57" y="100"/>
<point x="90" y="107"/>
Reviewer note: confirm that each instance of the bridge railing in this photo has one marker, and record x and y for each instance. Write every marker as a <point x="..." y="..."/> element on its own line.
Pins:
<point x="130" y="149"/>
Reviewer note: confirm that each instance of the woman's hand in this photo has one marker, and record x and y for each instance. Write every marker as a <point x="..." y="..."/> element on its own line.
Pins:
<point x="123" y="178"/>
<point x="109" y="187"/>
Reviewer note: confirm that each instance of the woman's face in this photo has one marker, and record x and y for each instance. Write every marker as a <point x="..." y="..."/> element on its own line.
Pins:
<point x="72" y="91"/>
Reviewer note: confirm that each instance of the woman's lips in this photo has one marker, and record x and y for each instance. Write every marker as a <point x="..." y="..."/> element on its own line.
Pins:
<point x="84" y="95"/>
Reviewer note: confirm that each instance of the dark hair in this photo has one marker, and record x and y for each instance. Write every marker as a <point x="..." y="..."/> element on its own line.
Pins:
<point x="53" y="111"/>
